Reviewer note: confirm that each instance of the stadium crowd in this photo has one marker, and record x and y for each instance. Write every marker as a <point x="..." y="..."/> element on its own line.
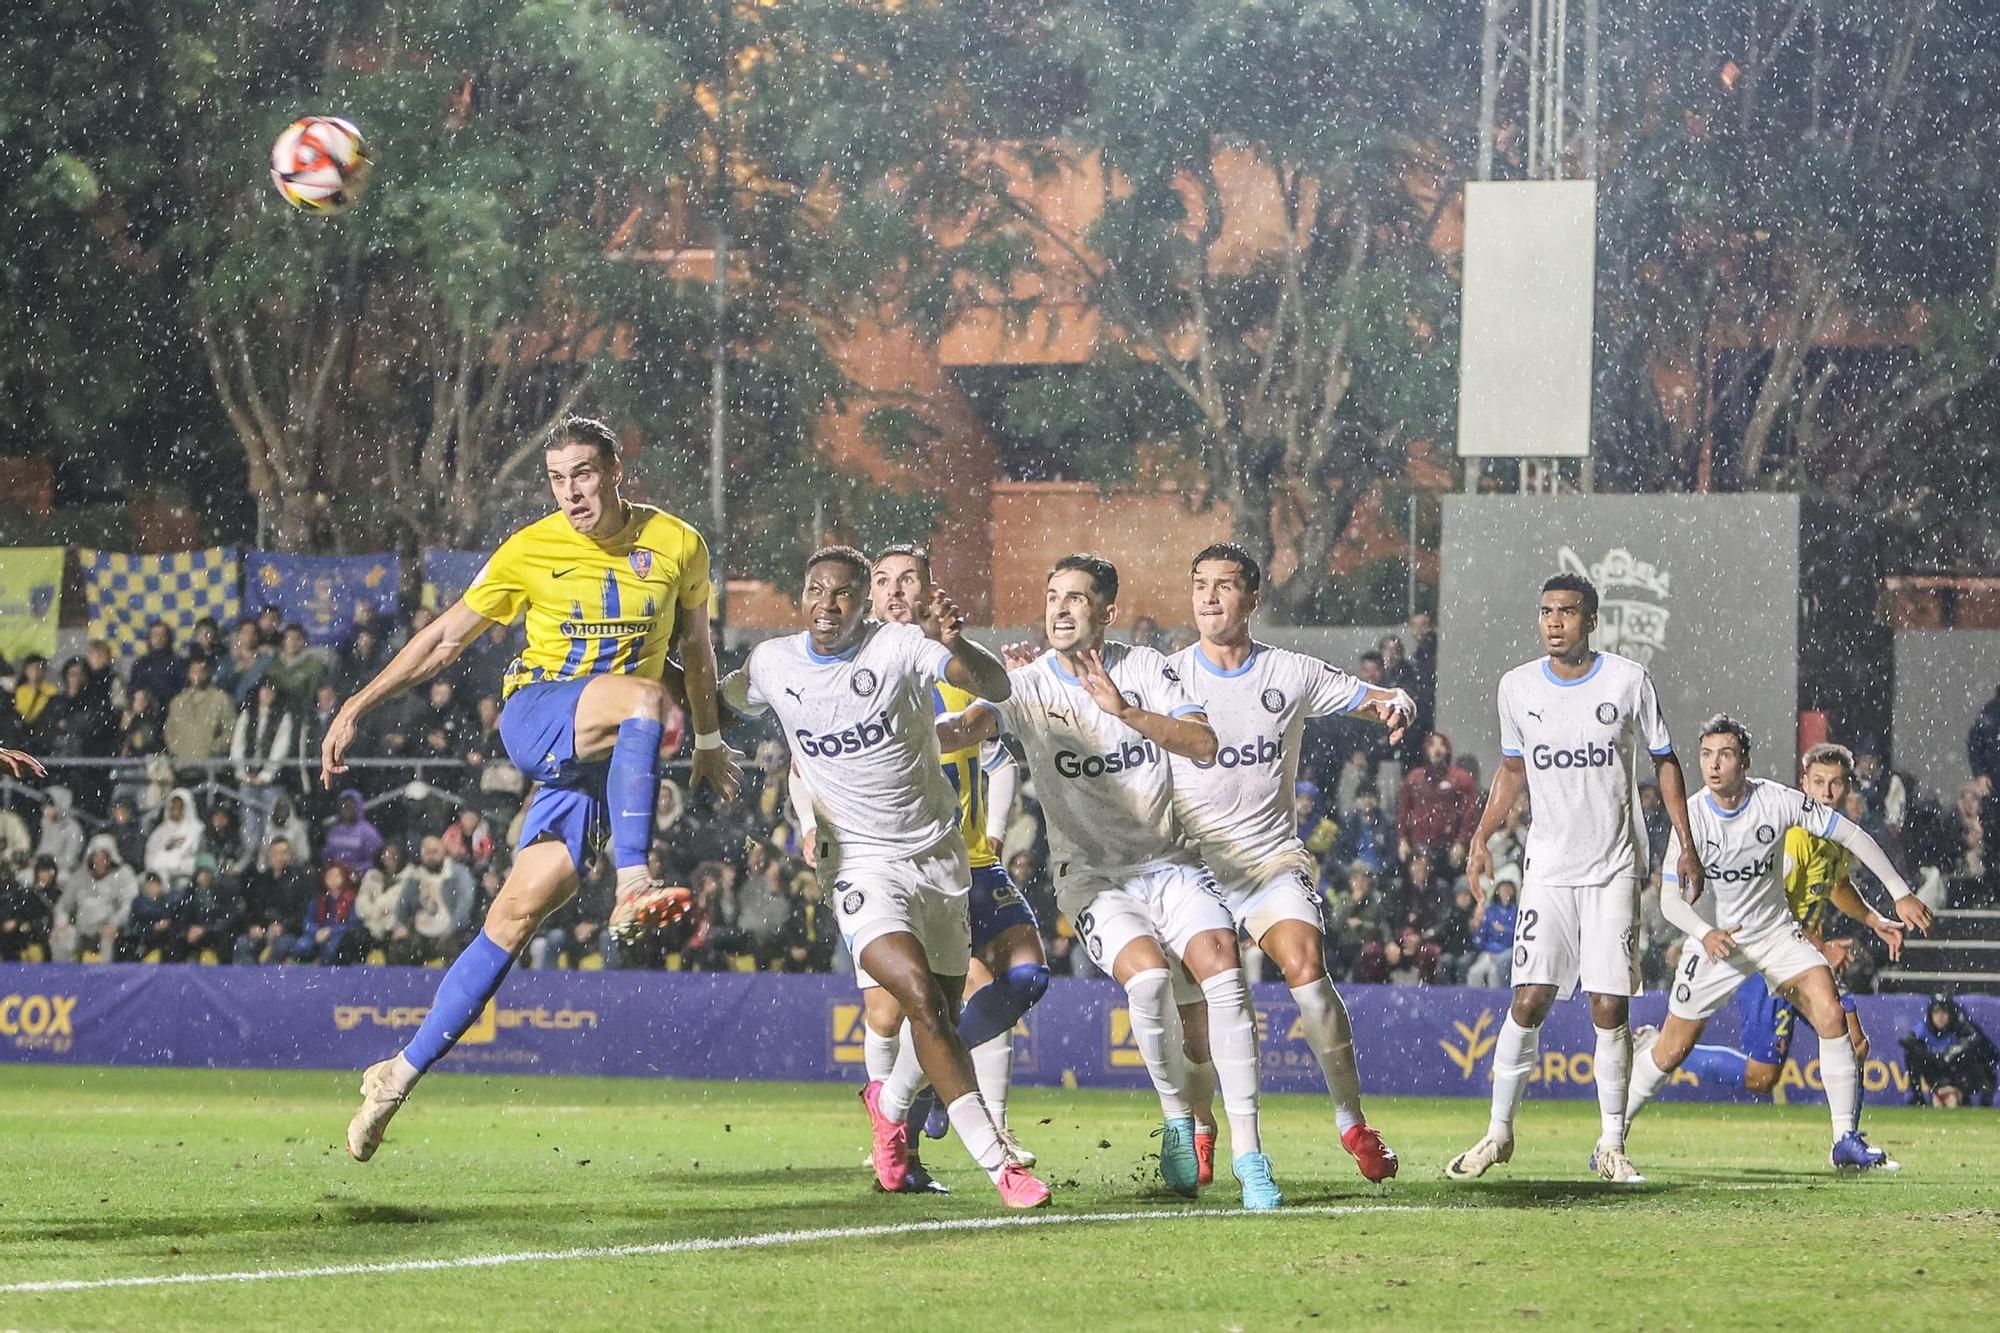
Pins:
<point x="197" y="827"/>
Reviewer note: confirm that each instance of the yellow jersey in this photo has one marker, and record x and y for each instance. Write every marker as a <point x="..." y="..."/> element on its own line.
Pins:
<point x="593" y="607"/>
<point x="1814" y="867"/>
<point x="967" y="776"/>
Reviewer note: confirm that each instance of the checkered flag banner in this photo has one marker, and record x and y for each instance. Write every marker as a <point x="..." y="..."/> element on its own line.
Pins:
<point x="126" y="593"/>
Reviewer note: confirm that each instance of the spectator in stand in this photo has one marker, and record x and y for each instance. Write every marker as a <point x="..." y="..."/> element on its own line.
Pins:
<point x="27" y="909"/>
<point x="445" y="893"/>
<point x="125" y="826"/>
<point x="713" y="938"/>
<point x="1982" y="754"/>
<point x="274" y="906"/>
<point x="1370" y="759"/>
<point x="32" y="692"/>
<point x="1422" y="634"/>
<point x="101" y="668"/>
<point x="61" y="838"/>
<point x="1366" y="837"/>
<point x="1318" y="826"/>
<point x="575" y="931"/>
<point x="1451" y="931"/>
<point x="443" y="710"/>
<point x="206" y="641"/>
<point x="764" y="907"/>
<point x="176" y="840"/>
<point x="262" y="751"/>
<point x="312" y="729"/>
<point x="360" y="658"/>
<point x="287" y="823"/>
<point x="350" y="839"/>
<point x="227" y="842"/>
<point x="1886" y="792"/>
<point x="1951" y="1061"/>
<point x="329" y="936"/>
<point x="270" y="627"/>
<point x="95" y="904"/>
<point x="1493" y="932"/>
<point x="386" y="903"/>
<point x="214" y="915"/>
<point x="239" y="670"/>
<point x="159" y="670"/>
<point x="1509" y="843"/>
<point x="200" y="720"/>
<point x="1146" y="633"/>
<point x="500" y="785"/>
<point x="17" y="845"/>
<point x="1439" y="805"/>
<point x="157" y="919"/>
<point x="468" y="840"/>
<point x="1404" y="955"/>
<point x="809" y="935"/>
<point x="483" y="662"/>
<point x="1353" y="923"/>
<point x="82" y="725"/>
<point x="296" y="671"/>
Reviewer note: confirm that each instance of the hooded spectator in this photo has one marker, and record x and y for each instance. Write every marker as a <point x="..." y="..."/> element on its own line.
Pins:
<point x="96" y="901"/>
<point x="287" y="823"/>
<point x="228" y="843"/>
<point x="329" y="921"/>
<point x="1951" y="1062"/>
<point x="176" y="840"/>
<point x="61" y="838"/>
<point x="159" y="670"/>
<point x="1439" y="803"/>
<point x="386" y="902"/>
<point x="350" y="839"/>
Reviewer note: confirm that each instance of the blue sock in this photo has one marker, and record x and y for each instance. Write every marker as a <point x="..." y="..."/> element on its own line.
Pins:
<point x="632" y="788"/>
<point x="995" y="1009"/>
<point x="461" y="995"/>
<point x="1716" y="1064"/>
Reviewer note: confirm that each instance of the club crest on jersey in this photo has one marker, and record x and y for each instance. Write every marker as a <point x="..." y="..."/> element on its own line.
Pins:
<point x="1171" y="674"/>
<point x="1131" y="697"/>
<point x="1765" y="833"/>
<point x="642" y="562"/>
<point x="1607" y="713"/>
<point x="863" y="682"/>
<point x="1273" y="701"/>
<point x="850" y="902"/>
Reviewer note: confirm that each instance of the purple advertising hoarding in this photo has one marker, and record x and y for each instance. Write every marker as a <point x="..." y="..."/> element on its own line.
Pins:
<point x="1434" y="1041"/>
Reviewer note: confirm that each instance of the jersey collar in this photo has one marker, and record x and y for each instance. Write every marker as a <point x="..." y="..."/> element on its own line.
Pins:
<point x="1721" y="813"/>
<point x="1554" y="679"/>
<point x="1201" y="660"/>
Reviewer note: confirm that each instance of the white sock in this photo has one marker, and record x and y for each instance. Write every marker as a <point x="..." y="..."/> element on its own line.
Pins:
<point x="1201" y="1095"/>
<point x="993" y="1065"/>
<point x="1514" y="1052"/>
<point x="975" y="1128"/>
<point x="1841" y="1075"/>
<point x="904" y="1081"/>
<point x="403" y="1075"/>
<point x="1232" y="1045"/>
<point x="1323" y="1015"/>
<point x="1647" y="1076"/>
<point x="1614" y="1072"/>
<point x="1156" y="1031"/>
<point x="878" y="1053"/>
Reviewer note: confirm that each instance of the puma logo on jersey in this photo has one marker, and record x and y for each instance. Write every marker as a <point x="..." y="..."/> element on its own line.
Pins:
<point x="795" y="694"/>
<point x="1535" y="715"/>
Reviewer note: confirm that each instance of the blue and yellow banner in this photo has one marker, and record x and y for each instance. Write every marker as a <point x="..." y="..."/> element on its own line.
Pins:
<point x="448" y="573"/>
<point x="125" y="593"/>
<point x="30" y="600"/>
<point x="320" y="592"/>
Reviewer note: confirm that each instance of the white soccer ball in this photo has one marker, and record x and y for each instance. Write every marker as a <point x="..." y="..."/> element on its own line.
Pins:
<point x="320" y="164"/>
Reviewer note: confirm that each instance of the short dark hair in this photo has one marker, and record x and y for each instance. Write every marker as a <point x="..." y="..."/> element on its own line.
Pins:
<point x="1103" y="574"/>
<point x="586" y="430"/>
<point x="295" y="625"/>
<point x="1826" y="752"/>
<point x="841" y="555"/>
<point x="1577" y="584"/>
<point x="1724" y="725"/>
<point x="910" y="549"/>
<point x="1253" y="573"/>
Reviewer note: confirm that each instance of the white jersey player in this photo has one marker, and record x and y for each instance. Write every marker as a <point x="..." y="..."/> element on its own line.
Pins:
<point x="854" y="698"/>
<point x="1744" y="927"/>
<point x="1098" y="722"/>
<point x="1571" y="728"/>
<point x="1239" y="809"/>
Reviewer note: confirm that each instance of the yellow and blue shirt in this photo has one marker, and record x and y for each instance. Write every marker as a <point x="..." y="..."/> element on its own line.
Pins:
<point x="967" y="774"/>
<point x="1814" y="867"/>
<point x="594" y="607"/>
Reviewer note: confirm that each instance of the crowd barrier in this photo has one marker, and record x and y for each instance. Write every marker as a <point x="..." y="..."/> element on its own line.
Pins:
<point x="1418" y="1040"/>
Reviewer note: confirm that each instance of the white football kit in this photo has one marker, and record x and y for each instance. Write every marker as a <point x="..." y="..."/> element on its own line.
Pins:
<point x="1120" y="868"/>
<point x="1586" y="855"/>
<point x="1743" y="854"/>
<point x="861" y="726"/>
<point x="1239" y="808"/>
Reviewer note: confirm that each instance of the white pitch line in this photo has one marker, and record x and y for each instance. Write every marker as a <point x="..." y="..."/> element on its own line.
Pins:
<point x="701" y="1245"/>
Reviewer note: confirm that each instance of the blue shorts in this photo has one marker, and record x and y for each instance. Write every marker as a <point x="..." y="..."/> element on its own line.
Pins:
<point x="538" y="727"/>
<point x="1768" y="1020"/>
<point x="995" y="905"/>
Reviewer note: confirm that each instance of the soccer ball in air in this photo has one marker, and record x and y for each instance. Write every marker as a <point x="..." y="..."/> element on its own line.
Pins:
<point x="320" y="164"/>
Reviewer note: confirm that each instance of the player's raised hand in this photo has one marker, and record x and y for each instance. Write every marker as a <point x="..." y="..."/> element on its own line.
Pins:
<point x="1914" y="913"/>
<point x="1017" y="655"/>
<point x="1395" y="712"/>
<point x="721" y="768"/>
<point x="1097" y="683"/>
<point x="16" y="760"/>
<point x="333" y="750"/>
<point x="1694" y="875"/>
<point x="1887" y="931"/>
<point x="1719" y="943"/>
<point x="950" y="620"/>
<point x="1478" y="869"/>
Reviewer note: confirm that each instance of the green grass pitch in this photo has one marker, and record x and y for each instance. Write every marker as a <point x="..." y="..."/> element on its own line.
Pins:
<point x="146" y="1173"/>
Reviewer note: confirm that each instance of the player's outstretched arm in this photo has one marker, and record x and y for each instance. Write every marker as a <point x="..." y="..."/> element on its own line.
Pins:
<point x="1394" y="709"/>
<point x="1868" y="852"/>
<point x="1849" y="900"/>
<point x="1674" y="795"/>
<point x="962" y="731"/>
<point x="16" y="760"/>
<point x="1188" y="735"/>
<point x="714" y="762"/>
<point x="429" y="651"/>
<point x="972" y="668"/>
<point x="1509" y="781"/>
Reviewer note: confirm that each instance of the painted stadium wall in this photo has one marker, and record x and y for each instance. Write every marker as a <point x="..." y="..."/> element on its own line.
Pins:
<point x="1943" y="679"/>
<point x="1418" y="1040"/>
<point x="1702" y="589"/>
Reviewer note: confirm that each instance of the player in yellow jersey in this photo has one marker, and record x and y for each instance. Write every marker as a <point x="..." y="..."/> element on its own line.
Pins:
<point x="1817" y="883"/>
<point x="608" y="588"/>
